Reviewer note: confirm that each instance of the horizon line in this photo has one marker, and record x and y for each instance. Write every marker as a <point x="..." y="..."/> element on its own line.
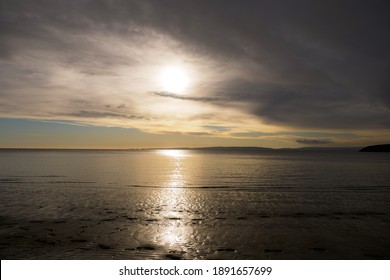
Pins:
<point x="186" y="148"/>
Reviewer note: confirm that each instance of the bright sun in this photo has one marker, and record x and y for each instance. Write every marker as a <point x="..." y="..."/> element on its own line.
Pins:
<point x="174" y="79"/>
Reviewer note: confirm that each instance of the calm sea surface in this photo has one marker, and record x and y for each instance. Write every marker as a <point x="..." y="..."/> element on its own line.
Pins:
<point x="189" y="169"/>
<point x="188" y="204"/>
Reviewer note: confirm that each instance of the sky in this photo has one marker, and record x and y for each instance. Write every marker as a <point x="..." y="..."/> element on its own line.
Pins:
<point x="180" y="73"/>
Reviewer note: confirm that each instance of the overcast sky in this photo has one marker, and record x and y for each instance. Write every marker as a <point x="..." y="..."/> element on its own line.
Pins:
<point x="260" y="73"/>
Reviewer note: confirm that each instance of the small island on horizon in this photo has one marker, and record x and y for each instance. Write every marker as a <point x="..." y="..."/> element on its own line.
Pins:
<point x="377" y="148"/>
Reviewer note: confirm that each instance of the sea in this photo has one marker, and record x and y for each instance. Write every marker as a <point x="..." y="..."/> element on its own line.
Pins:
<point x="194" y="204"/>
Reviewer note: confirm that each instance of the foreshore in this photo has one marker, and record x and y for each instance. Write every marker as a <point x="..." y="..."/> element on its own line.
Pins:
<point x="200" y="224"/>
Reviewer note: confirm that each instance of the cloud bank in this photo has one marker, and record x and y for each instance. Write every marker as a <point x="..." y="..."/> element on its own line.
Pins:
<point x="262" y="66"/>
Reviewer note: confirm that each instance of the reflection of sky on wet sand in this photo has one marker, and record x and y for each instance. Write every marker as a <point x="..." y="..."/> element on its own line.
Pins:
<point x="173" y="232"/>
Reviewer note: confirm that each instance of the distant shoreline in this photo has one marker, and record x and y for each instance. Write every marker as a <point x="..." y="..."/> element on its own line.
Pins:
<point x="216" y="149"/>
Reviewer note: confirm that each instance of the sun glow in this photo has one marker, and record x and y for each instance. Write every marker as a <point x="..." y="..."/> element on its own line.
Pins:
<point x="174" y="79"/>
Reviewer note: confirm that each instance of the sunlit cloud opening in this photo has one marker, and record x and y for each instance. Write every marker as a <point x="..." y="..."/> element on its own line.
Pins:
<point x="174" y="79"/>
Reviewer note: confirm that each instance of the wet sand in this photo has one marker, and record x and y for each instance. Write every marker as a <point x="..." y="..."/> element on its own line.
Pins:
<point x="170" y="223"/>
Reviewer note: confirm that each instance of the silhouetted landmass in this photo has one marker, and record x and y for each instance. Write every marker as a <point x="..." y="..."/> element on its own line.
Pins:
<point x="241" y="149"/>
<point x="254" y="150"/>
<point x="377" y="148"/>
<point x="318" y="149"/>
<point x="263" y="150"/>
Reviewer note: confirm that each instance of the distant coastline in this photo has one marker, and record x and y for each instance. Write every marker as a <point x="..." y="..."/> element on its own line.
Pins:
<point x="207" y="149"/>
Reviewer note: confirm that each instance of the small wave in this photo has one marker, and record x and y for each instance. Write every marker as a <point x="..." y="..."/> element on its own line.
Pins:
<point x="11" y="181"/>
<point x="71" y="182"/>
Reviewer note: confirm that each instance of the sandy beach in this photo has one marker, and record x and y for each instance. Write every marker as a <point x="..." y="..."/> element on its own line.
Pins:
<point x="150" y="223"/>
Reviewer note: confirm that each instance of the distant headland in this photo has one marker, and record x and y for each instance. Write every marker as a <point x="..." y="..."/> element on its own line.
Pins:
<point x="377" y="148"/>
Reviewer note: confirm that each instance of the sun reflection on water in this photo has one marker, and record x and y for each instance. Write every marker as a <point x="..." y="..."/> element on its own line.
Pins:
<point x="175" y="176"/>
<point x="174" y="153"/>
<point x="175" y="233"/>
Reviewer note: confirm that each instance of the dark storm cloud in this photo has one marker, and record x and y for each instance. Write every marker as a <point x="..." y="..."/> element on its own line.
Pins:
<point x="314" y="64"/>
<point x="310" y="106"/>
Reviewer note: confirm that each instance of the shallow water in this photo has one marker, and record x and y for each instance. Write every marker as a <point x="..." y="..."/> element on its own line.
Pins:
<point x="194" y="205"/>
